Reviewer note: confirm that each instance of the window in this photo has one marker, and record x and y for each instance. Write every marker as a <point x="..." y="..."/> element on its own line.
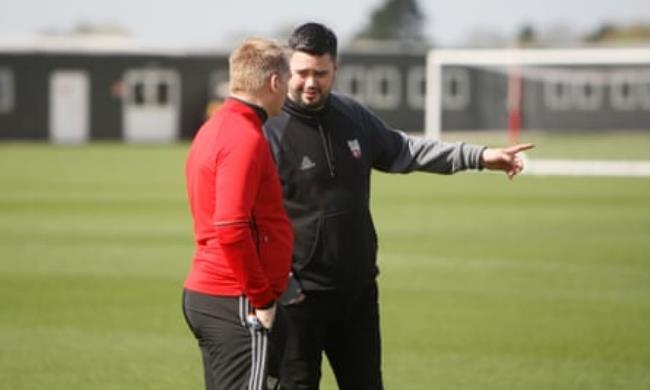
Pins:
<point x="152" y="88"/>
<point x="416" y="88"/>
<point x="384" y="87"/>
<point x="455" y="89"/>
<point x="354" y="87"/>
<point x="163" y="93"/>
<point x="588" y="91"/>
<point x="6" y="91"/>
<point x="621" y="93"/>
<point x="557" y="91"/>
<point x="351" y="80"/>
<point x="138" y="94"/>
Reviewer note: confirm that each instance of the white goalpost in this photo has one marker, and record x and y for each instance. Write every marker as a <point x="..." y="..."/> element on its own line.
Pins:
<point x="543" y="90"/>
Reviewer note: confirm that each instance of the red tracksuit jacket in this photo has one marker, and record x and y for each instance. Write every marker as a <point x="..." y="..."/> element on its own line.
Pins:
<point x="242" y="233"/>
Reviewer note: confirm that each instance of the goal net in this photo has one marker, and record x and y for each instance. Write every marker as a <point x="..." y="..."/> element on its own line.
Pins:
<point x="580" y="106"/>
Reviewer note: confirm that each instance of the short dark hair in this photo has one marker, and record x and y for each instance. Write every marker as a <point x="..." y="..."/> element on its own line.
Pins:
<point x="315" y="39"/>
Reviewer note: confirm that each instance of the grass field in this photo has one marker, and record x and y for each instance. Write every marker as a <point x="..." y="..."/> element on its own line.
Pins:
<point x="613" y="145"/>
<point x="540" y="283"/>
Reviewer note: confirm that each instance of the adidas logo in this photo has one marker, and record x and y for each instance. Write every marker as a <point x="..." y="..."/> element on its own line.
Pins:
<point x="306" y="164"/>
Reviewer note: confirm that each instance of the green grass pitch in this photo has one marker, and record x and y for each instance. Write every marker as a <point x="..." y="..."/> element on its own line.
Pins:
<point x="539" y="283"/>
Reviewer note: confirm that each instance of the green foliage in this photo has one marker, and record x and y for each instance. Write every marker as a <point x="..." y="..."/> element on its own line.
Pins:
<point x="608" y="32"/>
<point x="526" y="35"/>
<point x="539" y="283"/>
<point x="400" y="20"/>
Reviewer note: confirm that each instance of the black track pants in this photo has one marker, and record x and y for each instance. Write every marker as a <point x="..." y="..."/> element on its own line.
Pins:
<point x="346" y="328"/>
<point x="234" y="354"/>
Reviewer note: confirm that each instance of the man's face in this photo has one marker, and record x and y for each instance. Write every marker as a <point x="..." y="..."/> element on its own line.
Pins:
<point x="312" y="79"/>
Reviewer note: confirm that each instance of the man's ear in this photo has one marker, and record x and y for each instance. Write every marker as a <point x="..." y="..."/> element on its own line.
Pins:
<point x="275" y="82"/>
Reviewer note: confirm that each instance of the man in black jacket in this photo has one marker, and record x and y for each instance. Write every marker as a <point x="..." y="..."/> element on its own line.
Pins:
<point x="325" y="146"/>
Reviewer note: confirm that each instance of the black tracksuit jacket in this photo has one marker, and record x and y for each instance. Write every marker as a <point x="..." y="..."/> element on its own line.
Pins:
<point x="324" y="159"/>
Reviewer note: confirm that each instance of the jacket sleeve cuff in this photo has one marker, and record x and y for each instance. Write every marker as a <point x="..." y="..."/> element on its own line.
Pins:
<point x="265" y="306"/>
<point x="479" y="165"/>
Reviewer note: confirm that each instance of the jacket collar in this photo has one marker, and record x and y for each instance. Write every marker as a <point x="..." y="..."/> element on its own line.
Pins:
<point x="259" y="111"/>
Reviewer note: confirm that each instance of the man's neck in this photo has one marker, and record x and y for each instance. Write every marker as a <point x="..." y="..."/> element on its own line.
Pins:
<point x="256" y="101"/>
<point x="254" y="104"/>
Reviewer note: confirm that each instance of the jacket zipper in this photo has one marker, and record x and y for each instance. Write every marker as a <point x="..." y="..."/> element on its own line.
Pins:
<point x="327" y="147"/>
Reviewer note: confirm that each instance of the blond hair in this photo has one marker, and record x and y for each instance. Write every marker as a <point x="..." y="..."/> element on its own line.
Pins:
<point x="254" y="62"/>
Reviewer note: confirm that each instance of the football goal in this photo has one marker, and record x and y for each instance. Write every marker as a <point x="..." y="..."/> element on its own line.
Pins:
<point x="577" y="94"/>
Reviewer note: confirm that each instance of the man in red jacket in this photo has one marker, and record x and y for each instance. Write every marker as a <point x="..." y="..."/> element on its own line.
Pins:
<point x="242" y="233"/>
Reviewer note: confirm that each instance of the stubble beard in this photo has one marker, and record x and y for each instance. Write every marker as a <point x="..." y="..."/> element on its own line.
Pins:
<point x="313" y="105"/>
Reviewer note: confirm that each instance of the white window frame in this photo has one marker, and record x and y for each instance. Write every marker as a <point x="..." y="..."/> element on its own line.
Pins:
<point x="349" y="74"/>
<point x="415" y="96"/>
<point x="557" y="92"/>
<point x="377" y="98"/>
<point x="150" y="81"/>
<point x="594" y="100"/>
<point x="460" y="98"/>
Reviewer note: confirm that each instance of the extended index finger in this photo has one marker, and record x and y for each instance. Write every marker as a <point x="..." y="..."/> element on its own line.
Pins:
<point x="519" y="148"/>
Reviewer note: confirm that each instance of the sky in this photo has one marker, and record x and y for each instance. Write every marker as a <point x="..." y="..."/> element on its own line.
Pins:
<point x="196" y="23"/>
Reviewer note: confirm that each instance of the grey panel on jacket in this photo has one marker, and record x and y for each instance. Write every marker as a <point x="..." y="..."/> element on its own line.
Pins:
<point x="423" y="154"/>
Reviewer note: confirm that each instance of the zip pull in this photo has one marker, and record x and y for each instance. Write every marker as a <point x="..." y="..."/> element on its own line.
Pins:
<point x="327" y="147"/>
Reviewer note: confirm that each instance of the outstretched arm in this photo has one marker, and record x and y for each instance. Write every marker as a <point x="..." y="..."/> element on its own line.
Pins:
<point x="505" y="159"/>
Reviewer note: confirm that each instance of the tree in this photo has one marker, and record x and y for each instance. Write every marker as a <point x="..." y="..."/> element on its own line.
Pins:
<point x="619" y="33"/>
<point x="527" y="35"/>
<point x="603" y="32"/>
<point x="398" y="20"/>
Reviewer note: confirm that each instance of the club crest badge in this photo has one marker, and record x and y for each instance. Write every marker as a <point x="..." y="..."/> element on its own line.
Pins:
<point x="306" y="164"/>
<point x="355" y="148"/>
